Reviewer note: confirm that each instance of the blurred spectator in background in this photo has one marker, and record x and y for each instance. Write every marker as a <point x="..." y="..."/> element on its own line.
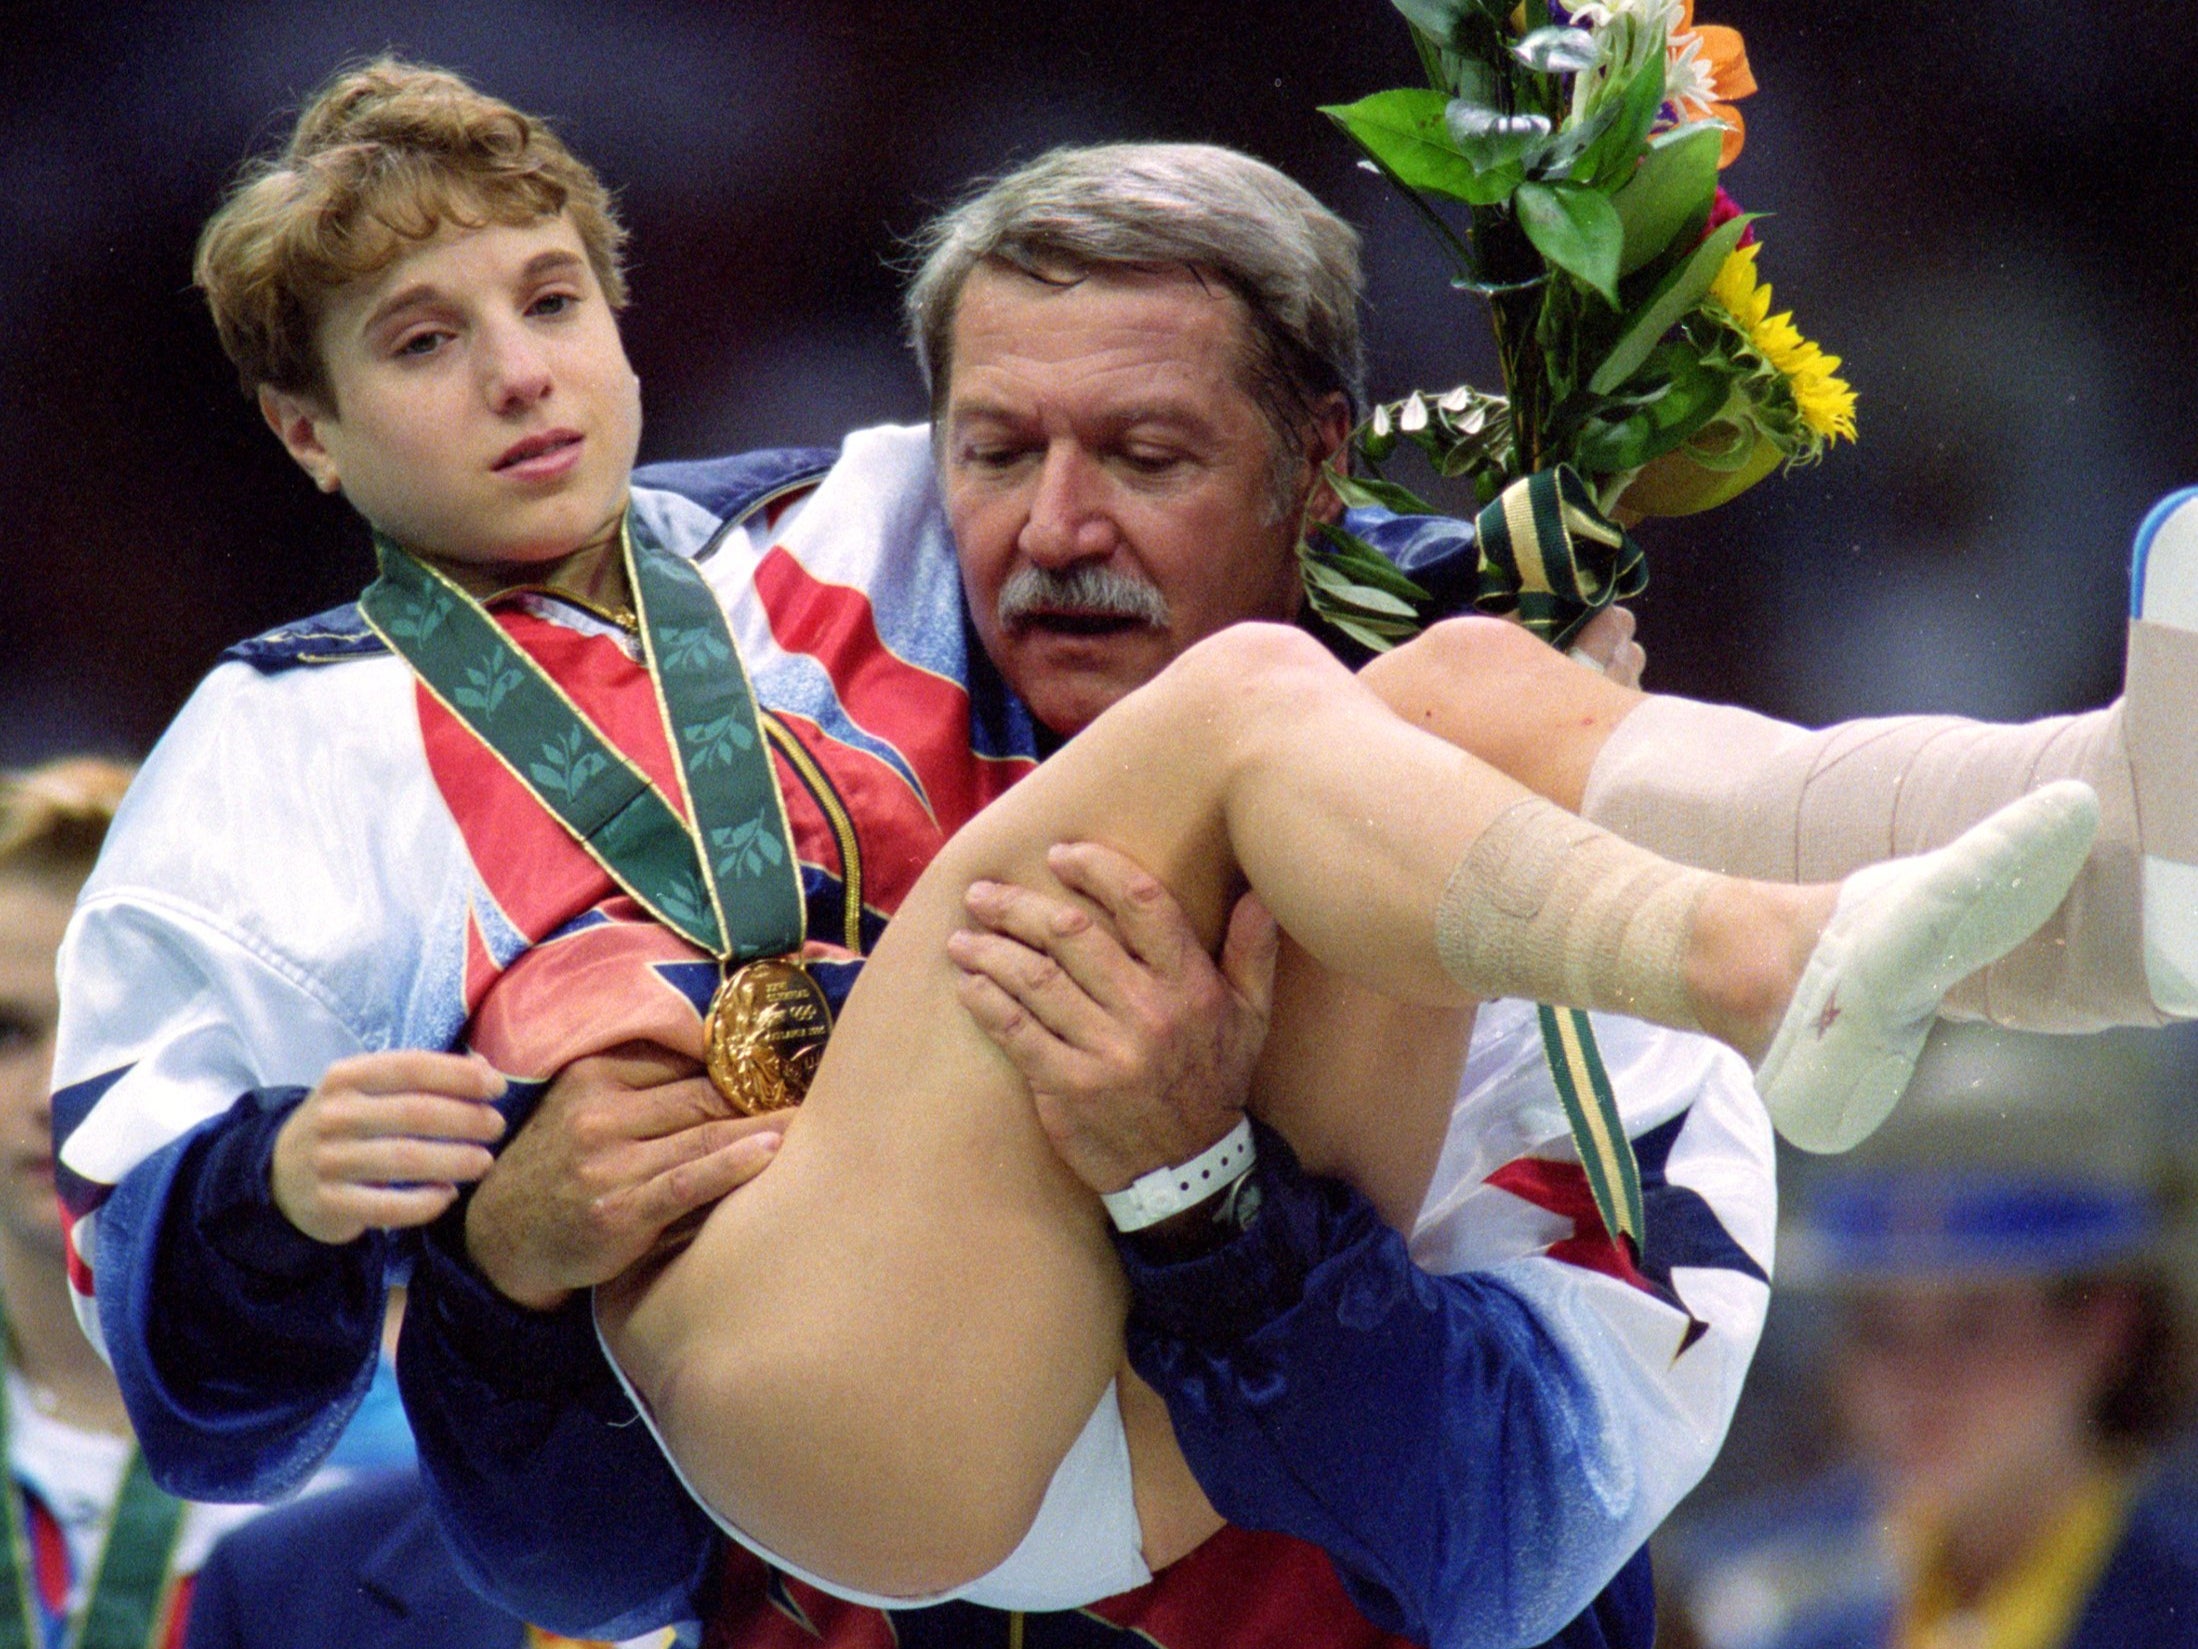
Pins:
<point x="94" y="1554"/>
<point x="77" y="1474"/>
<point x="2006" y="1361"/>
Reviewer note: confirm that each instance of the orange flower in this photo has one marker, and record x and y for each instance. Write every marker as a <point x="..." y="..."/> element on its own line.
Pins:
<point x="1708" y="73"/>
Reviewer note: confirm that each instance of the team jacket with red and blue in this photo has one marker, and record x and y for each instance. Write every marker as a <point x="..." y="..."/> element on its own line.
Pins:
<point x="1481" y="1423"/>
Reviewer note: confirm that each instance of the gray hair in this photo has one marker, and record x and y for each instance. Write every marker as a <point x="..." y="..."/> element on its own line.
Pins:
<point x="1293" y="262"/>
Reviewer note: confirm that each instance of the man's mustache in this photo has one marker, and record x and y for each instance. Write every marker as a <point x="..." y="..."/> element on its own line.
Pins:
<point x="1086" y="590"/>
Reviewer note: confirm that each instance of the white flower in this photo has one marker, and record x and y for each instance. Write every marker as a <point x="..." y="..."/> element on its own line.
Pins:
<point x="1412" y="417"/>
<point x="1687" y="78"/>
<point x="1600" y="14"/>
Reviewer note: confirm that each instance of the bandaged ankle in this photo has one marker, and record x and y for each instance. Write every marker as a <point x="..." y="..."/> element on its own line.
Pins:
<point x="1548" y="907"/>
<point x="1736" y="792"/>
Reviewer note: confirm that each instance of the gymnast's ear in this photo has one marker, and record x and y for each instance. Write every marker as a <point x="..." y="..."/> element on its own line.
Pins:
<point x="297" y="420"/>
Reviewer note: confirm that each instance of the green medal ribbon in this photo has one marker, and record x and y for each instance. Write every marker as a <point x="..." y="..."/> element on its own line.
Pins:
<point x="123" y="1606"/>
<point x="724" y="877"/>
<point x="1550" y="556"/>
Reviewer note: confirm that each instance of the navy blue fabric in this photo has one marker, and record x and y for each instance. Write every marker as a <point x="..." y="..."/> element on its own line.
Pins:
<point x="1623" y="1615"/>
<point x="360" y="1567"/>
<point x="730" y="487"/>
<point x="555" y="1499"/>
<point x="325" y="638"/>
<point x="2147" y="1596"/>
<point x="242" y="1346"/>
<point x="1424" y="1431"/>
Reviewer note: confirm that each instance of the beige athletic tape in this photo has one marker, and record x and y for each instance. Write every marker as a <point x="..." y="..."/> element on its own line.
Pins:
<point x="2163" y="738"/>
<point x="1548" y="907"/>
<point x="1736" y="792"/>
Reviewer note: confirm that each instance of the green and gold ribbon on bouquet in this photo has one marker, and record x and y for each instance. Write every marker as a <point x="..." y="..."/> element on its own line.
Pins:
<point x="1551" y="558"/>
<point x="720" y="872"/>
<point x="1565" y="156"/>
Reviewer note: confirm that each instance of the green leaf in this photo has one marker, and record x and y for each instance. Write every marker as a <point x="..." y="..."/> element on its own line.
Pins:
<point x="1574" y="228"/>
<point x="1404" y="131"/>
<point x="1692" y="394"/>
<point x="1609" y="159"/>
<point x="1670" y="192"/>
<point x="1437" y="17"/>
<point x="1677" y="296"/>
<point x="1362" y="491"/>
<point x="1490" y="139"/>
<point x="1363" y="599"/>
<point x="1558" y="51"/>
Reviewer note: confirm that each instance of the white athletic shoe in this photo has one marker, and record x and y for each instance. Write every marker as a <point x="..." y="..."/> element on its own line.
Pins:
<point x="1903" y="934"/>
<point x="2163" y="743"/>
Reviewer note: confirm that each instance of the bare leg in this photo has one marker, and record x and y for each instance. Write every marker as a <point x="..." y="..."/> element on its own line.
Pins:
<point x="874" y="1357"/>
<point x="914" y="1310"/>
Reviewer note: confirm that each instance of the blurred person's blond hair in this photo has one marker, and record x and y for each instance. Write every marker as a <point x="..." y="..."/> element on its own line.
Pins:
<point x="53" y="817"/>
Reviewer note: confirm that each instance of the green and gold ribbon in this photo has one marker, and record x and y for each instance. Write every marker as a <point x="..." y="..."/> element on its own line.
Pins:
<point x="125" y="1607"/>
<point x="1551" y="557"/>
<point x="723" y="876"/>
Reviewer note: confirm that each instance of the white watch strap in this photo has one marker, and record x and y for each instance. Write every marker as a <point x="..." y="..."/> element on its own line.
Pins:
<point x="1153" y="1197"/>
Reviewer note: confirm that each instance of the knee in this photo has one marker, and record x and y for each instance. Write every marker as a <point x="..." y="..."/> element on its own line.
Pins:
<point x="1249" y="669"/>
<point x="1457" y="657"/>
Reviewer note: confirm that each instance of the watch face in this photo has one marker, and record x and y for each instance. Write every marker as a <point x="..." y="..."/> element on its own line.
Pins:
<point x="1241" y="1206"/>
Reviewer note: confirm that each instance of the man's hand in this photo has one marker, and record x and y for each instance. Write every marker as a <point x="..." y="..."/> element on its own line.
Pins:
<point x="1137" y="1049"/>
<point x="1605" y="642"/>
<point x="624" y="1146"/>
<point x="384" y="1141"/>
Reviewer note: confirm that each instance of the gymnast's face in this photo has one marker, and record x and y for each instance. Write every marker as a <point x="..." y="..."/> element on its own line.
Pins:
<point x="482" y="411"/>
<point x="1111" y="481"/>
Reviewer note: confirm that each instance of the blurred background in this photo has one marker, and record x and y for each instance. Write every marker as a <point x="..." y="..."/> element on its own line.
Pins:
<point x="1985" y="210"/>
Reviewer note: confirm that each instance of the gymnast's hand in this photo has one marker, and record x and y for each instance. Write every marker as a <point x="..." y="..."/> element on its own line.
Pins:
<point x="384" y="1140"/>
<point x="627" y="1150"/>
<point x="1605" y="642"/>
<point x="1137" y="1048"/>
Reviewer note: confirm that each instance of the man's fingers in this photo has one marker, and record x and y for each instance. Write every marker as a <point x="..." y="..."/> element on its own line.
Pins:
<point x="1085" y="946"/>
<point x="1152" y="924"/>
<point x="690" y="1186"/>
<point x="638" y="1064"/>
<point x="1043" y="1059"/>
<point x="1041" y="986"/>
<point x="1248" y="954"/>
<point x="669" y="1108"/>
<point x="652" y="1159"/>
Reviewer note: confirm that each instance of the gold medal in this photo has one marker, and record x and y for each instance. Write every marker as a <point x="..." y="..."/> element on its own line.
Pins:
<point x="765" y="1034"/>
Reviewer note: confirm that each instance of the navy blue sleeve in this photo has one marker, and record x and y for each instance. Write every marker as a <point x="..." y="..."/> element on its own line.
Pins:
<point x="1425" y="1431"/>
<point x="552" y="1495"/>
<point x="241" y="1344"/>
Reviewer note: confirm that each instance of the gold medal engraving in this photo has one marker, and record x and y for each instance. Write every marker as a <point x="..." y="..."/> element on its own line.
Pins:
<point x="765" y="1034"/>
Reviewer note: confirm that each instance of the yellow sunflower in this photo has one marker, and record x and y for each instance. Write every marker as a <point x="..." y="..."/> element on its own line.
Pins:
<point x="1823" y="399"/>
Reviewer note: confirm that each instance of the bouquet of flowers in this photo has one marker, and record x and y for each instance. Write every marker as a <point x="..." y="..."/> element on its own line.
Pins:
<point x="1566" y="158"/>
